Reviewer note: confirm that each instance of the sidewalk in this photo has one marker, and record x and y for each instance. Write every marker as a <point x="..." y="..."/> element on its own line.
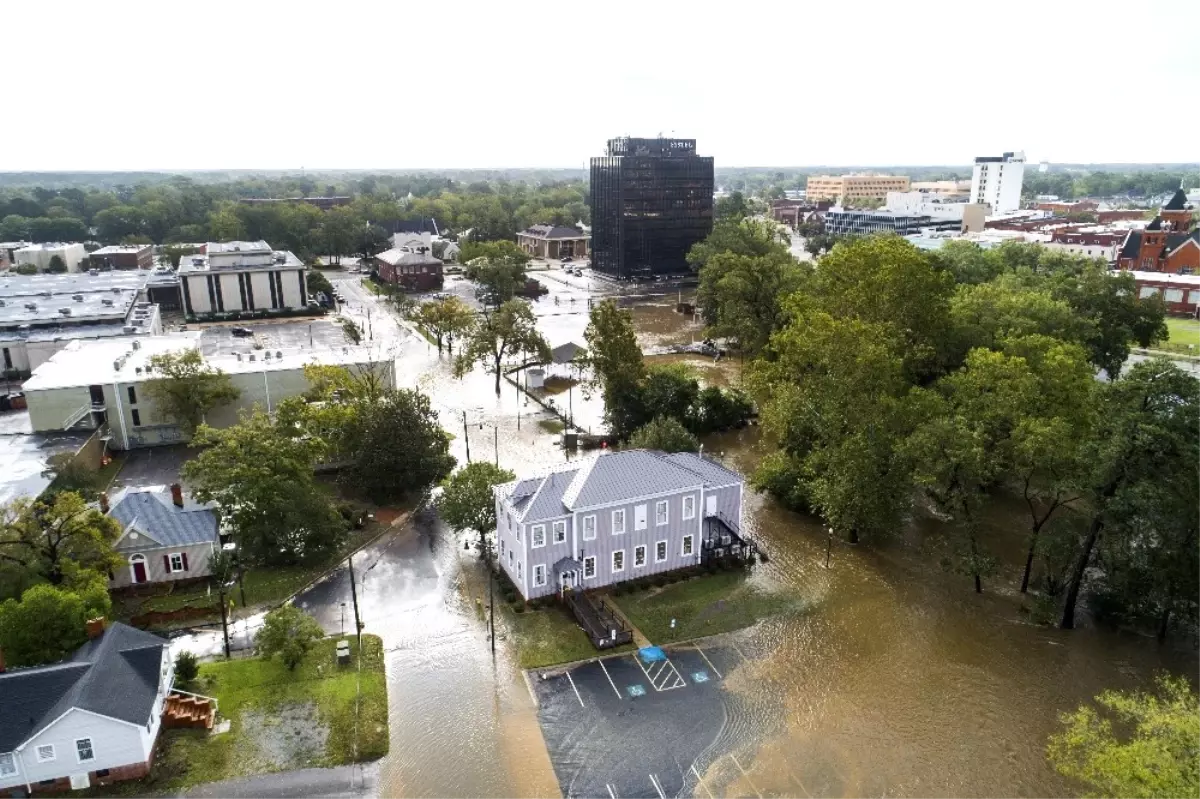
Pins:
<point x="639" y="640"/>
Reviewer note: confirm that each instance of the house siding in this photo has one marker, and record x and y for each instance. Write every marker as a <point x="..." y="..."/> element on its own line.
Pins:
<point x="548" y="555"/>
<point x="114" y="743"/>
<point x="156" y="570"/>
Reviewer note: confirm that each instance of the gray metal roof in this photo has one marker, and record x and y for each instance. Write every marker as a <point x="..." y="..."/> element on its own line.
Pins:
<point x="151" y="513"/>
<point x="116" y="674"/>
<point x="714" y="474"/>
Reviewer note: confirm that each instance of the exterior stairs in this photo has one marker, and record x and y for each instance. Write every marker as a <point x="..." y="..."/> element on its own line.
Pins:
<point x="189" y="710"/>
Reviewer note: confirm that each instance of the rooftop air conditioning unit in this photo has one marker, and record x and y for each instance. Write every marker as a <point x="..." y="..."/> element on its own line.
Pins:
<point x="107" y="301"/>
<point x="32" y="306"/>
<point x="280" y="258"/>
<point x="239" y="357"/>
<point x="129" y="329"/>
<point x="278" y="354"/>
<point x="3" y="303"/>
<point x="77" y="297"/>
<point x="137" y="345"/>
<point x="65" y="311"/>
<point x="116" y="290"/>
<point x="117" y="365"/>
<point x="252" y="357"/>
<point x="137" y="370"/>
<point x="46" y="293"/>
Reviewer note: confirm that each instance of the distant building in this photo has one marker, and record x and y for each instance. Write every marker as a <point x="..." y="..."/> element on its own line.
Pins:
<point x="425" y="224"/>
<point x="553" y="241"/>
<point x="996" y="181"/>
<point x="241" y="276"/>
<point x="40" y="256"/>
<point x="1168" y="244"/>
<point x="1088" y="243"/>
<point x="123" y="256"/>
<point x="793" y="212"/>
<point x="324" y="203"/>
<point x="938" y="207"/>
<point x="8" y="250"/>
<point x="1067" y="207"/>
<point x="946" y="188"/>
<point x="849" y="188"/>
<point x="412" y="271"/>
<point x="851" y="222"/>
<point x="651" y="199"/>
<point x="1179" y="293"/>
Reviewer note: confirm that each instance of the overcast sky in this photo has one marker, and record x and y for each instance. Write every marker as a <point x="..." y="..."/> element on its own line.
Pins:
<point x="121" y="85"/>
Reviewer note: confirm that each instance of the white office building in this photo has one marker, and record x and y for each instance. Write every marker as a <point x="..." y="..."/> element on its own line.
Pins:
<point x="40" y="255"/>
<point x="241" y="277"/>
<point x="996" y="181"/>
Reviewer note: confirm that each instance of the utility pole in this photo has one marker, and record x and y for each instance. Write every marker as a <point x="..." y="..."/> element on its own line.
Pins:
<point x="517" y="386"/>
<point x="354" y="597"/>
<point x="370" y="330"/>
<point x="496" y="437"/>
<point x="224" y="618"/>
<point x="466" y="437"/>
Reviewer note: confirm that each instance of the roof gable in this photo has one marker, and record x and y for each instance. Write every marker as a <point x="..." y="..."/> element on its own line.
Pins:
<point x="1178" y="201"/>
<point x="153" y="514"/>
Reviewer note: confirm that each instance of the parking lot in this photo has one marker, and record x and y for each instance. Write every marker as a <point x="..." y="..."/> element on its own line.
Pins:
<point x="622" y="727"/>
<point x="292" y="334"/>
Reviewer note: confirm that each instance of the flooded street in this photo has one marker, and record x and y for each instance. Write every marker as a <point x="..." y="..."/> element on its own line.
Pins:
<point x="893" y="678"/>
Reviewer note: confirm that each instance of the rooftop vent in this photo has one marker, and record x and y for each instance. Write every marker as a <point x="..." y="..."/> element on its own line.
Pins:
<point x="31" y="306"/>
<point x="137" y="345"/>
<point x="77" y="297"/>
<point x="137" y="370"/>
<point x="278" y="354"/>
<point x="252" y="357"/>
<point x="116" y="290"/>
<point x="46" y="293"/>
<point x="117" y="364"/>
<point x="65" y="311"/>
<point x="239" y="357"/>
<point x="280" y="258"/>
<point x="129" y="329"/>
<point x="93" y="272"/>
<point x="107" y="301"/>
<point x="197" y="262"/>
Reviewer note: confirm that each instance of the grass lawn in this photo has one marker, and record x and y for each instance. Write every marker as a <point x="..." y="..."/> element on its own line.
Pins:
<point x="707" y="605"/>
<point x="265" y="695"/>
<point x="106" y="474"/>
<point x="548" y="637"/>
<point x="371" y="286"/>
<point x="1183" y="331"/>
<point x="551" y="425"/>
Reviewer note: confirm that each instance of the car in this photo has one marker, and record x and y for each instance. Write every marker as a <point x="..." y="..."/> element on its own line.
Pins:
<point x="241" y="332"/>
<point x="567" y="260"/>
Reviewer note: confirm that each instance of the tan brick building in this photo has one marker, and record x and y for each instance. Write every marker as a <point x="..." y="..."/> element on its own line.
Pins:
<point x="854" y="187"/>
<point x="554" y="241"/>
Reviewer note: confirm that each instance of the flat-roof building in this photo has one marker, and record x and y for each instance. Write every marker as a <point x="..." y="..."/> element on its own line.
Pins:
<point x="849" y="188"/>
<point x="996" y="181"/>
<point x="241" y="277"/>
<point x="124" y="256"/>
<point x="40" y="255"/>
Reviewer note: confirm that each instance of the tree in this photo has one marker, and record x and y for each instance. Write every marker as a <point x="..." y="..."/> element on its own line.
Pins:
<point x="372" y="239"/>
<point x="26" y="269"/>
<point x="318" y="283"/>
<point x="339" y="229"/>
<point x="1135" y="744"/>
<point x="54" y="539"/>
<point x="188" y="389"/>
<point x="508" y="331"/>
<point x="666" y="434"/>
<point x="498" y="266"/>
<point x="187" y="668"/>
<point x="288" y="632"/>
<point x="822" y="243"/>
<point x="731" y="206"/>
<point x="445" y="319"/>
<point x="749" y="237"/>
<point x="742" y="295"/>
<point x="69" y="473"/>
<point x="669" y="390"/>
<point x="352" y="331"/>
<point x="396" y="445"/>
<point x="720" y="409"/>
<point x="615" y="365"/>
<point x="57" y="265"/>
<point x="261" y="476"/>
<point x="49" y="622"/>
<point x="467" y="501"/>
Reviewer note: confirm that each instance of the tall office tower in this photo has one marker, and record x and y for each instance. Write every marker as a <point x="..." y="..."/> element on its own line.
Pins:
<point x="997" y="181"/>
<point x="652" y="199"/>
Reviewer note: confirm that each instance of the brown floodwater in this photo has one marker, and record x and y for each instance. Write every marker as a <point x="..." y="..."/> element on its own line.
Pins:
<point x="891" y="678"/>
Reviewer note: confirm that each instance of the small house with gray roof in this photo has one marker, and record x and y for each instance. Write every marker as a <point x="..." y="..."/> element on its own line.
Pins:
<point x="614" y="517"/>
<point x="554" y="241"/>
<point x="165" y="536"/>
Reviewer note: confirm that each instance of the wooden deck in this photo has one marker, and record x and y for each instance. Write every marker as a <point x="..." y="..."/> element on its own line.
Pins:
<point x="603" y="627"/>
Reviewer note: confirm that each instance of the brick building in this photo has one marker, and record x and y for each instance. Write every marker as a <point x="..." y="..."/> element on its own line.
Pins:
<point x="1179" y="293"/>
<point x="123" y="256"/>
<point x="554" y="241"/>
<point x="1168" y="244"/>
<point x="411" y="271"/>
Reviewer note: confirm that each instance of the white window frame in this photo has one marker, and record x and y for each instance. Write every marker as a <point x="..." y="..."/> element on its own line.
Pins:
<point x="510" y="557"/>
<point x="639" y="524"/>
<point x="501" y="548"/>
<point x="519" y="526"/>
<point x="534" y="531"/>
<point x="589" y="535"/>
<point x="665" y="507"/>
<point x="52" y="756"/>
<point x="520" y="574"/>
<point x="666" y="549"/>
<point x="539" y="569"/>
<point x="8" y="767"/>
<point x="639" y="551"/>
<point x="91" y="748"/>
<point x="171" y="559"/>
<point x="687" y="546"/>
<point x="689" y="507"/>
<point x="618" y="529"/>
<point x="559" y="528"/>
<point x="616" y="552"/>
<point x="589" y="559"/>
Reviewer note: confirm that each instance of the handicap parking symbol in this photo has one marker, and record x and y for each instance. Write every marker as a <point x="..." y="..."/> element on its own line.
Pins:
<point x="636" y="690"/>
<point x="700" y="676"/>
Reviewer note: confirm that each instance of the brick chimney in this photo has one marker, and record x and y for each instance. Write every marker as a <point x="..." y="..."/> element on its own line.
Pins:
<point x="103" y="502"/>
<point x="177" y="494"/>
<point x="2" y="665"/>
<point x="95" y="627"/>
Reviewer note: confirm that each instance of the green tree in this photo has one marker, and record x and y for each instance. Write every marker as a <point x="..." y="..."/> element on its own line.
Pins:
<point x="26" y="269"/>
<point x="467" y="501"/>
<point x="372" y="239"/>
<point x="318" y="283"/>
<point x="188" y="388"/>
<point x="55" y="538"/>
<point x="750" y="237"/>
<point x="720" y="409"/>
<point x="338" y="232"/>
<point x="187" y="668"/>
<point x="615" y="365"/>
<point x="288" y="632"/>
<point x="1135" y="744"/>
<point x="261" y="476"/>
<point x="445" y="320"/>
<point x="498" y="266"/>
<point x="666" y="434"/>
<point x="57" y="265"/>
<point x="69" y="473"/>
<point x="507" y="332"/>
<point x="352" y="331"/>
<point x="49" y="622"/>
<point x="669" y="390"/>
<point x="731" y="206"/>
<point x="742" y="295"/>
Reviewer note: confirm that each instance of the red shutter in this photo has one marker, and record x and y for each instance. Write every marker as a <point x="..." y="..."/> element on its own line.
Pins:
<point x="184" y="556"/>
<point x="167" y="563"/>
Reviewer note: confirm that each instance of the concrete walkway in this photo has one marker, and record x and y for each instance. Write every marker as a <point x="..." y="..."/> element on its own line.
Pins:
<point x="639" y="640"/>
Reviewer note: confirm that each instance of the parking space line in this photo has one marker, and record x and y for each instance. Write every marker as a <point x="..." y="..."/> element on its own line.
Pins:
<point x="798" y="782"/>
<point x="664" y="665"/>
<point x="576" y="690"/>
<point x="710" y="663"/>
<point x="610" y="790"/>
<point x="610" y="679"/>
<point x="744" y="774"/>
<point x="701" y="781"/>
<point x="738" y="649"/>
<point x="658" y="787"/>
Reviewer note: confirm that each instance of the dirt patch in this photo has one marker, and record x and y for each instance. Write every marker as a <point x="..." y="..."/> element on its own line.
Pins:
<point x="288" y="736"/>
<point x="160" y="618"/>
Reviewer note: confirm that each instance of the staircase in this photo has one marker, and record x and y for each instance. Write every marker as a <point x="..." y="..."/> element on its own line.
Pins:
<point x="189" y="710"/>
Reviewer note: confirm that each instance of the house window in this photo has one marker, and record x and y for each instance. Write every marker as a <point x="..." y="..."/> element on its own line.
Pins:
<point x="519" y="526"/>
<point x="639" y="556"/>
<point x="102" y="773"/>
<point x="510" y="557"/>
<point x="618" y="561"/>
<point x="502" y="547"/>
<point x="589" y="527"/>
<point x="537" y="536"/>
<point x="589" y="567"/>
<point x="510" y="520"/>
<point x="45" y="753"/>
<point x="618" y="521"/>
<point x="176" y="562"/>
<point x="686" y="549"/>
<point x="137" y="418"/>
<point x="83" y="748"/>
<point x="1173" y="295"/>
<point x="660" y="512"/>
<point x="539" y="574"/>
<point x="8" y="764"/>
<point x="660" y="551"/>
<point x="132" y="396"/>
<point x="560" y="532"/>
<point x="689" y="507"/>
<point x="639" y="517"/>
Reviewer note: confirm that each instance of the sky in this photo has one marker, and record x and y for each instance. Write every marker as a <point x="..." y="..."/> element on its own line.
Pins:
<point x="346" y="84"/>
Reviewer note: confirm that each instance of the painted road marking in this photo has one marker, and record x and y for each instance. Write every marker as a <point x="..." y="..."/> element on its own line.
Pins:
<point x="700" y="676"/>
<point x="666" y="670"/>
<point x="738" y="649"/>
<point x="710" y="663"/>
<point x="610" y="790"/>
<point x="701" y="781"/>
<point x="636" y="690"/>
<point x="610" y="680"/>
<point x="747" y="776"/>
<point x="658" y="787"/>
<point x="576" y="690"/>
<point x="797" y="781"/>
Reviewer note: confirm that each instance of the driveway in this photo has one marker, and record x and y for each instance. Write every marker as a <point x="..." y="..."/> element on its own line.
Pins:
<point x="153" y="466"/>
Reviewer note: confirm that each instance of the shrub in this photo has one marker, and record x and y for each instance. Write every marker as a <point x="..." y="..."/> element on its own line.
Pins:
<point x="187" y="669"/>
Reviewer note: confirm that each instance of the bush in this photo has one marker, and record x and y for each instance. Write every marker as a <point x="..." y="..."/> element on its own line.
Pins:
<point x="187" y="669"/>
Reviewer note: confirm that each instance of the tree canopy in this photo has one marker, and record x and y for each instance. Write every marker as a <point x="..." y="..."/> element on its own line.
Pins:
<point x="289" y="632"/>
<point x="187" y="388"/>
<point x="664" y="433"/>
<point x="48" y="622"/>
<point x="506" y="333"/>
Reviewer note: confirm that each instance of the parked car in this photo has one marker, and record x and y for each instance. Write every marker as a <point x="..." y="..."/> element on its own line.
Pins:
<point x="567" y="260"/>
<point x="241" y="332"/>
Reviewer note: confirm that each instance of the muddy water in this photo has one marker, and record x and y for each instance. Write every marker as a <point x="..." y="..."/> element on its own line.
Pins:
<point x="894" y="678"/>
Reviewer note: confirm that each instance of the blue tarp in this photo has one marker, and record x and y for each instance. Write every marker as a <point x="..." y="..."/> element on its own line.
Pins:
<point x="649" y="654"/>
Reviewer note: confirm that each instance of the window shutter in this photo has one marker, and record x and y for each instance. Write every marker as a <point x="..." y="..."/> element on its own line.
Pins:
<point x="167" y="563"/>
<point x="185" y="566"/>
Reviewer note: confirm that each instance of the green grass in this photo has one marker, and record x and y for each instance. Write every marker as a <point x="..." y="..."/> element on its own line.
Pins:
<point x="372" y="286"/>
<point x="106" y="474"/>
<point x="551" y="425"/>
<point x="548" y="637"/>
<point x="706" y="605"/>
<point x="1183" y="331"/>
<point x="187" y="758"/>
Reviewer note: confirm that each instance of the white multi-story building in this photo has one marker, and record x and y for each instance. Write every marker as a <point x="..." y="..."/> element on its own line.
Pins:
<point x="40" y="255"/>
<point x="241" y="276"/>
<point x="996" y="181"/>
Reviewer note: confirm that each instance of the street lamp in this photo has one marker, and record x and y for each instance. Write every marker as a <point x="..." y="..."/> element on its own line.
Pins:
<point x="828" y="547"/>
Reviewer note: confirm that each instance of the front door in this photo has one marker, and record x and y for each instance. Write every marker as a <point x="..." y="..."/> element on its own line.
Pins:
<point x="139" y="571"/>
<point x="568" y="580"/>
<point x="710" y="505"/>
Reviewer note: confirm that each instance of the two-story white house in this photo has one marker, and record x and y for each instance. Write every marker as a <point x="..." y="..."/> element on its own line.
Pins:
<point x="613" y="517"/>
<point x="89" y="720"/>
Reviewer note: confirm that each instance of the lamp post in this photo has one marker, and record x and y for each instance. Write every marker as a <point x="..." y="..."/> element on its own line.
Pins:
<point x="828" y="546"/>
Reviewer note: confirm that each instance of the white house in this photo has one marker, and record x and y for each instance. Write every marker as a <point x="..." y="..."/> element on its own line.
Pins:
<point x="89" y="720"/>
